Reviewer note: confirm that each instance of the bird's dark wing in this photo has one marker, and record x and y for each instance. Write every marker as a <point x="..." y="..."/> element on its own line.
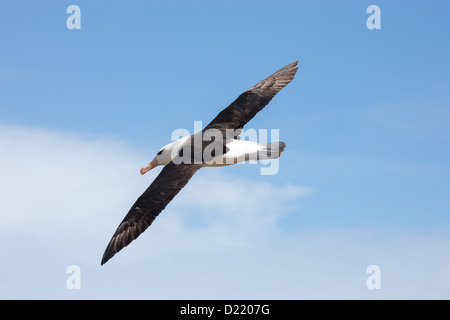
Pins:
<point x="171" y="179"/>
<point x="249" y="103"/>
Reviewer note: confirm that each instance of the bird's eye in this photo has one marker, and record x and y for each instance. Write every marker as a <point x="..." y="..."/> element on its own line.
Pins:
<point x="160" y="152"/>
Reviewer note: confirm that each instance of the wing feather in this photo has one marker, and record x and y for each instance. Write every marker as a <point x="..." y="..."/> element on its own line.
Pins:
<point x="147" y="207"/>
<point x="249" y="103"/>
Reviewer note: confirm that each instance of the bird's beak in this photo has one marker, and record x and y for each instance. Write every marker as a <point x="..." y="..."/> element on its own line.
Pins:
<point x="149" y="167"/>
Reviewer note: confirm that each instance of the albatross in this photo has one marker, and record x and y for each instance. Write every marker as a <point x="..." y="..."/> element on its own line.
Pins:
<point x="218" y="144"/>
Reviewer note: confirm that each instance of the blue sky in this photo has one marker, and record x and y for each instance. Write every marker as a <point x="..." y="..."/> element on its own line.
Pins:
<point x="364" y="178"/>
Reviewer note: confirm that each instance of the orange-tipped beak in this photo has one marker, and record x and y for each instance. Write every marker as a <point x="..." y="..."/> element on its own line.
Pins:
<point x="149" y="167"/>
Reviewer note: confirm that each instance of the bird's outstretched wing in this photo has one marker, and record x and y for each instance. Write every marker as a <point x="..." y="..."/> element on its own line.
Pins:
<point x="171" y="179"/>
<point x="249" y="103"/>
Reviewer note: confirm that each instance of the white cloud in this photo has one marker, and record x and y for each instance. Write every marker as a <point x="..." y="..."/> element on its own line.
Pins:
<point x="52" y="176"/>
<point x="62" y="196"/>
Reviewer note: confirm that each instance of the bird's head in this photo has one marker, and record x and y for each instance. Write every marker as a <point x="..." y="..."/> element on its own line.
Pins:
<point x="163" y="157"/>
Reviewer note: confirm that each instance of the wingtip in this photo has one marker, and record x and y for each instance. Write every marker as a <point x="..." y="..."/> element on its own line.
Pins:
<point x="293" y="64"/>
<point x="279" y="79"/>
<point x="291" y="67"/>
<point x="104" y="260"/>
<point x="288" y="72"/>
<point x="107" y="255"/>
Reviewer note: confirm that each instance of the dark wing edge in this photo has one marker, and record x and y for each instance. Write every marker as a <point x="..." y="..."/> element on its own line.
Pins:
<point x="147" y="207"/>
<point x="249" y="103"/>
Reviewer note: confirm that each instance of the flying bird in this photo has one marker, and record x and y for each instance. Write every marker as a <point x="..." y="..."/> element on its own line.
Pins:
<point x="218" y="144"/>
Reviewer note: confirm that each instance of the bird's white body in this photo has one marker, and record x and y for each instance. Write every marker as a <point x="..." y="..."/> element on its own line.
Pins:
<point x="238" y="151"/>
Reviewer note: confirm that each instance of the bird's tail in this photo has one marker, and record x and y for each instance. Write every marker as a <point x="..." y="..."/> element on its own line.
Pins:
<point x="270" y="150"/>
